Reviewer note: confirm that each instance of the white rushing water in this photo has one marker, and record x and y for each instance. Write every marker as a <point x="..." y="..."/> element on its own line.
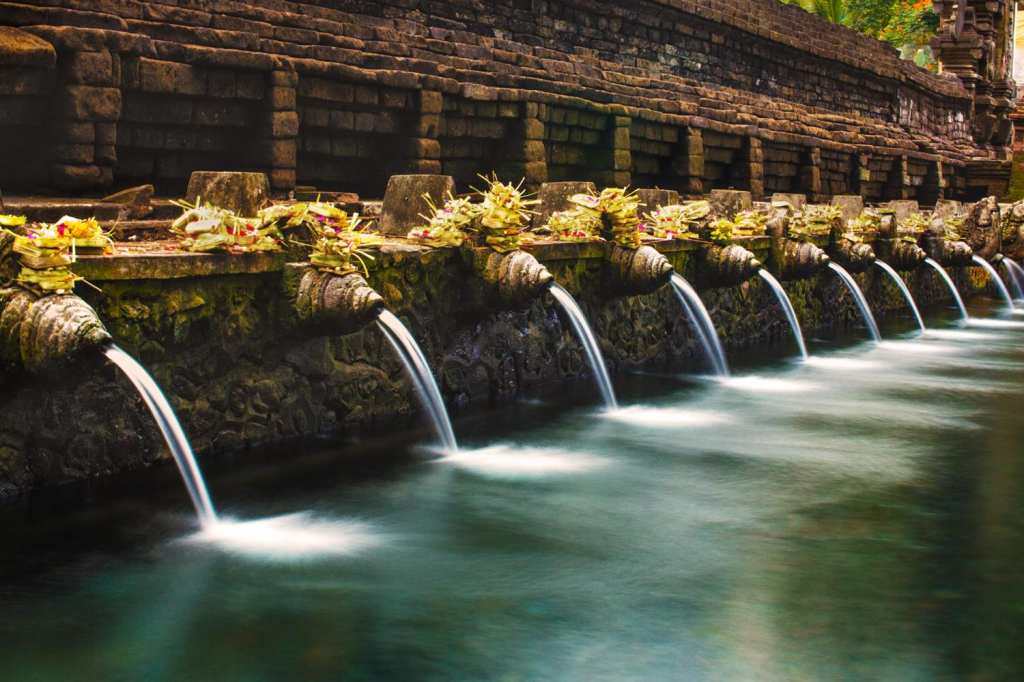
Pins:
<point x="858" y="296"/>
<point x="995" y="279"/>
<point x="1016" y="273"/>
<point x="422" y="378"/>
<point x="787" y="308"/>
<point x="949" y="283"/>
<point x="177" y="442"/>
<point x="701" y="321"/>
<point x="589" y="341"/>
<point x="888" y="269"/>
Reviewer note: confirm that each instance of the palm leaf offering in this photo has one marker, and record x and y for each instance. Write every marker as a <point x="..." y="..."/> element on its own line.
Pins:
<point x="448" y="224"/>
<point x="573" y="225"/>
<point x="676" y="221"/>
<point x="46" y="251"/>
<point x="504" y="214"/>
<point x="815" y="221"/>
<point x="341" y="243"/>
<point x="618" y="211"/>
<point x="310" y="216"/>
<point x="745" y="224"/>
<point x="205" y="228"/>
<point x="7" y="220"/>
<point x="954" y="228"/>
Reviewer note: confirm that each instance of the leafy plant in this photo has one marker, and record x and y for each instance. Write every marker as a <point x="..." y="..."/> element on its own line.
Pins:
<point x="618" y="212"/>
<point x="448" y="224"/>
<point x="744" y="224"/>
<point x="676" y="221"/>
<point x="574" y="225"/>
<point x="341" y="245"/>
<point x="205" y="228"/>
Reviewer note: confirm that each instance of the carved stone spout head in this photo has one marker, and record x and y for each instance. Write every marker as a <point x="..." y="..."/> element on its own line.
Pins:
<point x="512" y="279"/>
<point x="853" y="255"/>
<point x="726" y="266"/>
<point x="802" y="260"/>
<point x="637" y="271"/>
<point x="46" y="332"/>
<point x="336" y="304"/>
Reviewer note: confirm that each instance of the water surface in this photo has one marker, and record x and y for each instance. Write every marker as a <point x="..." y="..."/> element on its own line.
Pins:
<point x="855" y="517"/>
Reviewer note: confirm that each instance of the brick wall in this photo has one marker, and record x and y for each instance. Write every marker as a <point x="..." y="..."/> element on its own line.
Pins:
<point x="687" y="94"/>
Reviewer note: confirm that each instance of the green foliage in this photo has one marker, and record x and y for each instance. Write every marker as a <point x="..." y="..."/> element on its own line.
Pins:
<point x="907" y="25"/>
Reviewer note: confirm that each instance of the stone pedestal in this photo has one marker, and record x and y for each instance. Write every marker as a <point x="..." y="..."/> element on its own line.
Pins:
<point x="243" y="193"/>
<point x="404" y="202"/>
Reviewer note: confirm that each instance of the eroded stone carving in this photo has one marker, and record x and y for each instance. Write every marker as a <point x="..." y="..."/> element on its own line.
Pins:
<point x="43" y="332"/>
<point x="333" y="303"/>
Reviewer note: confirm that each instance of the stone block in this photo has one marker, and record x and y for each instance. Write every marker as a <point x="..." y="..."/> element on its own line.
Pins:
<point x="282" y="178"/>
<point x="18" y="48"/>
<point x="82" y="154"/>
<point x="852" y="205"/>
<point x="245" y="193"/>
<point x="170" y="78"/>
<point x="903" y="207"/>
<point x="554" y="197"/>
<point x="651" y="199"/>
<point x="728" y="202"/>
<point x="404" y="202"/>
<point x="284" y="124"/>
<point x="90" y="68"/>
<point x="431" y="102"/>
<point x="78" y="132"/>
<point x="282" y="99"/>
<point x="137" y="199"/>
<point x="797" y="201"/>
<point x="75" y="178"/>
<point x="88" y="103"/>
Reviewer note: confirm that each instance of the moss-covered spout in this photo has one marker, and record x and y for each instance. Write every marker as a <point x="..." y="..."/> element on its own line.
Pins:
<point x="335" y="304"/>
<point x="511" y="279"/>
<point x="45" y="332"/>
<point x="633" y="272"/>
<point x="727" y="266"/>
<point x="950" y="253"/>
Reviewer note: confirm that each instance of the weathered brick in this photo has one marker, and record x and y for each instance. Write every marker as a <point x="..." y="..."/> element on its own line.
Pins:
<point x="88" y="103"/>
<point x="171" y="78"/>
<point x="90" y="68"/>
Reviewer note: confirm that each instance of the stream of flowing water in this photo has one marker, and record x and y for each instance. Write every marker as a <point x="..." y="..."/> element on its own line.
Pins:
<point x="895" y="276"/>
<point x="701" y="322"/>
<point x="175" y="436"/>
<point x="589" y="342"/>
<point x="858" y="296"/>
<point x="1016" y="276"/>
<point x="418" y="369"/>
<point x="995" y="279"/>
<point x="949" y="283"/>
<point x="856" y="516"/>
<point x="787" y="308"/>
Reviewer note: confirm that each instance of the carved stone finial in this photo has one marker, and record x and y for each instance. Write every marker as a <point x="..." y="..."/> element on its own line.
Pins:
<point x="726" y="266"/>
<point x="337" y="304"/>
<point x="43" y="332"/>
<point x="638" y="271"/>
<point x="513" y="279"/>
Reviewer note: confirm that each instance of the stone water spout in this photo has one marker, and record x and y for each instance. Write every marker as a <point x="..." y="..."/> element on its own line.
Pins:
<point x="793" y="259"/>
<point x="337" y="304"/>
<point x="852" y="254"/>
<point x="938" y="248"/>
<point x="899" y="253"/>
<point x="46" y="332"/>
<point x="634" y="272"/>
<point x="513" y="279"/>
<point x="727" y="266"/>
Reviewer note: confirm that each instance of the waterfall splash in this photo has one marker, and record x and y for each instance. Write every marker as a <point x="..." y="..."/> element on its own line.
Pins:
<point x="586" y="337"/>
<point x="171" y="429"/>
<point x="1016" y="276"/>
<point x="952" y="287"/>
<point x="858" y="296"/>
<point x="701" y="321"/>
<point x="419" y="371"/>
<point x="903" y="288"/>
<point x="996" y="280"/>
<point x="787" y="307"/>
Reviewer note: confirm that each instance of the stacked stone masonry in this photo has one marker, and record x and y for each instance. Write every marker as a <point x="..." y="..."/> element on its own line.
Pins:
<point x="688" y="94"/>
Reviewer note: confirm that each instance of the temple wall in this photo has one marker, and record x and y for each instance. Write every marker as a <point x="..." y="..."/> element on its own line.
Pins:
<point x="688" y="95"/>
<point x="215" y="337"/>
